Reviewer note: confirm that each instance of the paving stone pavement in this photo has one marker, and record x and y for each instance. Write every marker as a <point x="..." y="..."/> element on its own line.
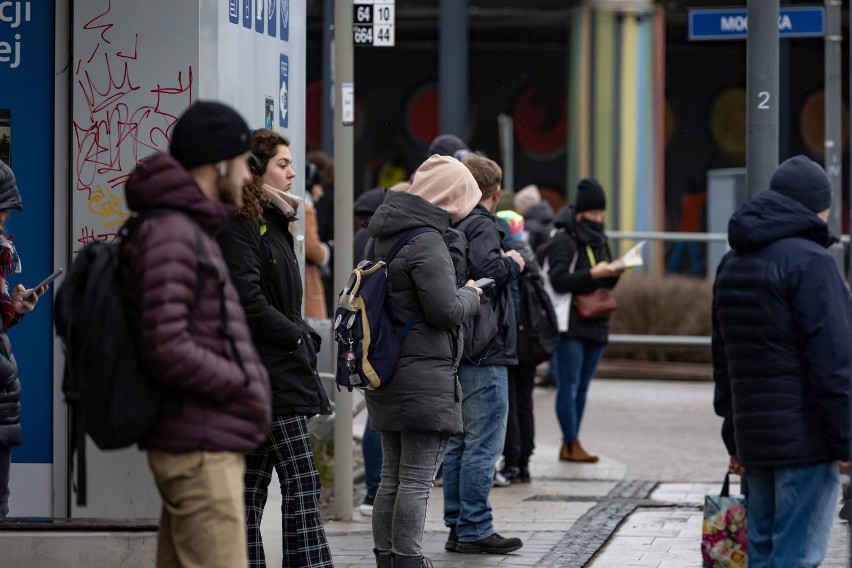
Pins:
<point x="622" y="513"/>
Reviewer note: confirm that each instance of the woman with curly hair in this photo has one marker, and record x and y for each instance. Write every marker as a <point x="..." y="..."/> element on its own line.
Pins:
<point x="258" y="246"/>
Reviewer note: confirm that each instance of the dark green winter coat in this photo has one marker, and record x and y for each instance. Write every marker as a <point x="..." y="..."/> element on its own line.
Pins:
<point x="424" y="394"/>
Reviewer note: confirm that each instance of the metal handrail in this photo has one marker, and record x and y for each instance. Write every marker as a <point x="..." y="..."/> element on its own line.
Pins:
<point x="660" y="340"/>
<point x="670" y="340"/>
<point x="665" y="340"/>
<point x="664" y="236"/>
<point x="680" y="236"/>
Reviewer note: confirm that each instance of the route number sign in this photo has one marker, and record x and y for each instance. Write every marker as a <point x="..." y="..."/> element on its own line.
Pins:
<point x="373" y="22"/>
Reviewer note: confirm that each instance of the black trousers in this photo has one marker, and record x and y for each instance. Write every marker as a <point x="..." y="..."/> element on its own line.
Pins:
<point x="520" y="427"/>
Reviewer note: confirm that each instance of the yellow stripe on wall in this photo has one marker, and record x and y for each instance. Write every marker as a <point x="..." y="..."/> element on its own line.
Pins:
<point x="628" y="114"/>
<point x="582" y="92"/>
<point x="603" y="105"/>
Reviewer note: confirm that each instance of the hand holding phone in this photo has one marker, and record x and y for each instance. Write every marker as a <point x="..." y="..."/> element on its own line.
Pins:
<point x="28" y="294"/>
<point x="485" y="284"/>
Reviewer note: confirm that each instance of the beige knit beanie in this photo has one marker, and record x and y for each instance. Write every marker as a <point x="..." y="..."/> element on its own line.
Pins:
<point x="447" y="183"/>
<point x="526" y="197"/>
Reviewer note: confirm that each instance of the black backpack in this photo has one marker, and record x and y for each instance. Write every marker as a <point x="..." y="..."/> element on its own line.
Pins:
<point x="479" y="333"/>
<point x="108" y="393"/>
<point x="538" y="331"/>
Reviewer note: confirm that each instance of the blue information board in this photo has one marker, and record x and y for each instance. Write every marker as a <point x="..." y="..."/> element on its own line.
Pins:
<point x="733" y="23"/>
<point x="26" y="137"/>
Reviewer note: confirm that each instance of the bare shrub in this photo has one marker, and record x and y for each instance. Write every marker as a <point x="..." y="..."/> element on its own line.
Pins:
<point x="654" y="305"/>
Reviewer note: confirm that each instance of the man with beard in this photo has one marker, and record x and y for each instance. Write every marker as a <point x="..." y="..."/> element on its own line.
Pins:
<point x="193" y="337"/>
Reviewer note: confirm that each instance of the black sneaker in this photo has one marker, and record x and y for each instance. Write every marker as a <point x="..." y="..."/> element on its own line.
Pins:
<point x="452" y="540"/>
<point x="547" y="381"/>
<point x="511" y="474"/>
<point x="494" y="544"/>
<point x="523" y="474"/>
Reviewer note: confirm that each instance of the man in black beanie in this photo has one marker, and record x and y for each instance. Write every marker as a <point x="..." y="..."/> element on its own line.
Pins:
<point x="781" y="333"/>
<point x="193" y="337"/>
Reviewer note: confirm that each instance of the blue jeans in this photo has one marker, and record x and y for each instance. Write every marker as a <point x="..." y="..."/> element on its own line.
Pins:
<point x="790" y="512"/>
<point x="470" y="459"/>
<point x="408" y="472"/>
<point x="371" y="446"/>
<point x="577" y="361"/>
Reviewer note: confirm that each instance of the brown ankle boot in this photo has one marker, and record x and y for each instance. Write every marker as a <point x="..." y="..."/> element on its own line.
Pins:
<point x="574" y="452"/>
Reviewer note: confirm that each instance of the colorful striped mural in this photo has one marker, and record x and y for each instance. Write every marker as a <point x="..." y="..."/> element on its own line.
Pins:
<point x="615" y="94"/>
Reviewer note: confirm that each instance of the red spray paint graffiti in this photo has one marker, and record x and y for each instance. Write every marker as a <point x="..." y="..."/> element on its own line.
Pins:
<point x="124" y="119"/>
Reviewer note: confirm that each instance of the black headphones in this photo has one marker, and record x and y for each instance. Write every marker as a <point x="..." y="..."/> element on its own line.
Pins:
<point x="257" y="164"/>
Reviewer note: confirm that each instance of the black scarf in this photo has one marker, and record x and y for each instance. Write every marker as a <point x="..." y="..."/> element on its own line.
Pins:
<point x="590" y="233"/>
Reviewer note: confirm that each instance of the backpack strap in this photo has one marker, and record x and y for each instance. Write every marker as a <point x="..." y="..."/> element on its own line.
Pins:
<point x="397" y="246"/>
<point x="204" y="269"/>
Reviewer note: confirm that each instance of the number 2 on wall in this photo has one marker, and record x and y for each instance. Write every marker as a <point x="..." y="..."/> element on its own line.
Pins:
<point x="764" y="100"/>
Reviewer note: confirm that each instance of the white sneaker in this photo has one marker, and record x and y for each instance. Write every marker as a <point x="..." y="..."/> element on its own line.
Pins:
<point x="366" y="508"/>
<point x="500" y="480"/>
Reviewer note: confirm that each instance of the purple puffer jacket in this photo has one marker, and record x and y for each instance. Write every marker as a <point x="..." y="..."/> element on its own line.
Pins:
<point x="210" y="403"/>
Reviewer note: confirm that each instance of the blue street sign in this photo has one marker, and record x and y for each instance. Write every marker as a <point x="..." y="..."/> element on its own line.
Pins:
<point x="247" y="13"/>
<point x="733" y="23"/>
<point x="283" y="94"/>
<point x="259" y="16"/>
<point x="272" y="18"/>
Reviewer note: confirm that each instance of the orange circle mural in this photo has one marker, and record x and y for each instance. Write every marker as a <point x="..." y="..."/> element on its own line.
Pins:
<point x="728" y="122"/>
<point x="812" y="123"/>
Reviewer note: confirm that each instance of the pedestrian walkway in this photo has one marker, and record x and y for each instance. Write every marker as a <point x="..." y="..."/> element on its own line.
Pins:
<point x="630" y="512"/>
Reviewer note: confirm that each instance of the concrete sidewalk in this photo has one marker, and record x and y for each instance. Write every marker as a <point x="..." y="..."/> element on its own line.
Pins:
<point x="640" y="510"/>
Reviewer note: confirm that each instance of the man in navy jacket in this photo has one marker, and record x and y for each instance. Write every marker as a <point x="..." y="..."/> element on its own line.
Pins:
<point x="781" y="335"/>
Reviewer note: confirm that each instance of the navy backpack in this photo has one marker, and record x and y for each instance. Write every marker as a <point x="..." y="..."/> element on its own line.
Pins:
<point x="368" y="349"/>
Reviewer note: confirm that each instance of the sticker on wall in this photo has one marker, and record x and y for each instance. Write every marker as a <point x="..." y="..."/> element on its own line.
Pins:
<point x="285" y="20"/>
<point x="259" y="15"/>
<point x="284" y="74"/>
<point x="234" y="11"/>
<point x="269" y="113"/>
<point x="6" y="135"/>
<point x="247" y="19"/>
<point x="272" y="17"/>
<point x="812" y="124"/>
<point x="347" y="98"/>
<point x="728" y="122"/>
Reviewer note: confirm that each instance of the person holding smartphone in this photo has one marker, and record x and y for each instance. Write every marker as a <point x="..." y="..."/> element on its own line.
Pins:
<point x="420" y="408"/>
<point x="13" y="306"/>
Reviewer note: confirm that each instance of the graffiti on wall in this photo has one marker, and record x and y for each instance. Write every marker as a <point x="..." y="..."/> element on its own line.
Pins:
<point x="122" y="113"/>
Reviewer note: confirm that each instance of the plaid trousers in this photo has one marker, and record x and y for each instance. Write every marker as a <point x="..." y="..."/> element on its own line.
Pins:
<point x="288" y="450"/>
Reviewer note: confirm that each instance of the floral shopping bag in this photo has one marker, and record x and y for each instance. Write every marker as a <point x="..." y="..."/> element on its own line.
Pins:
<point x="724" y="539"/>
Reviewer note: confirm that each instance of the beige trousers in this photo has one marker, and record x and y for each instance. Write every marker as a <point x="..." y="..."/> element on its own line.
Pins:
<point x="202" y="523"/>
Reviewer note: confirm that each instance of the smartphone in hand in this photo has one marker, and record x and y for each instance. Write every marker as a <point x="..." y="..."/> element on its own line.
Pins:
<point x="28" y="294"/>
<point x="485" y="284"/>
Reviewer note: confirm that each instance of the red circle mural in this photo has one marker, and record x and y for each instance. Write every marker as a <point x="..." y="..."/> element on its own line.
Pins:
<point x="541" y="119"/>
<point x="421" y="114"/>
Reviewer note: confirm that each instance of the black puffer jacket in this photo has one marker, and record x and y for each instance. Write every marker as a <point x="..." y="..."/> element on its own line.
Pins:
<point x="265" y="271"/>
<point x="560" y="255"/>
<point x="781" y="333"/>
<point x="10" y="385"/>
<point x="10" y="396"/>
<point x="425" y="394"/>
<point x="484" y="238"/>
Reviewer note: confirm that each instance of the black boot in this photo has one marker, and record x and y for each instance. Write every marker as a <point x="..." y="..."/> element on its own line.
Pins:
<point x="384" y="558"/>
<point x="494" y="544"/>
<point x="452" y="540"/>
<point x="411" y="562"/>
